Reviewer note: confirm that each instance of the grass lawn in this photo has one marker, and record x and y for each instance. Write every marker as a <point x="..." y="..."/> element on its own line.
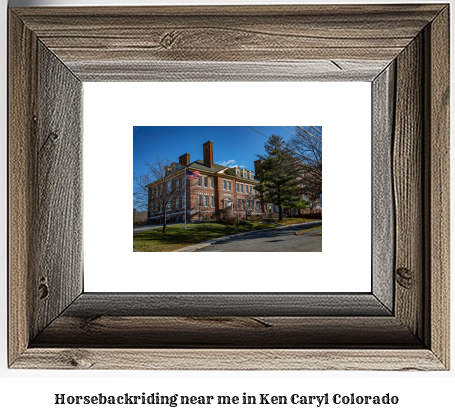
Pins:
<point x="310" y="229"/>
<point x="295" y="221"/>
<point x="177" y="237"/>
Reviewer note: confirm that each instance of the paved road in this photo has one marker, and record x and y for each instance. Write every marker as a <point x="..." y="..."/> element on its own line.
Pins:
<point x="273" y="240"/>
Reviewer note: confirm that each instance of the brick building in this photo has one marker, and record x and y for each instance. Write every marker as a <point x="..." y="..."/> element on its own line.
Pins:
<point x="218" y="187"/>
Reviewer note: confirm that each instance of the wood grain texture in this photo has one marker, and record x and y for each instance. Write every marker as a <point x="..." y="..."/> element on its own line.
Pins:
<point x="226" y="332"/>
<point x="235" y="359"/>
<point x="438" y="193"/>
<point x="22" y="94"/>
<point x="383" y="214"/>
<point x="53" y="49"/>
<point x="215" y="305"/>
<point x="45" y="223"/>
<point x="227" y="34"/>
<point x="309" y="71"/>
<point x="58" y="211"/>
<point x="407" y="175"/>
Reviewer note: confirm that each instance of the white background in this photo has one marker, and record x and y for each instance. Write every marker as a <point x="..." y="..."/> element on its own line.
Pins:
<point x="29" y="391"/>
<point x="110" y="111"/>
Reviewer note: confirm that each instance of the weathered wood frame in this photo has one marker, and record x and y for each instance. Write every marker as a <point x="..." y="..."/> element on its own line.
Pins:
<point x="403" y="50"/>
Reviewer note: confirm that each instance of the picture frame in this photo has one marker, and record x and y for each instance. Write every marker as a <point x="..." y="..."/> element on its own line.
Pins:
<point x="402" y="324"/>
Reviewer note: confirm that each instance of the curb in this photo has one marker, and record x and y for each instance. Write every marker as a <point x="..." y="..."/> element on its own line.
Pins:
<point x="200" y="245"/>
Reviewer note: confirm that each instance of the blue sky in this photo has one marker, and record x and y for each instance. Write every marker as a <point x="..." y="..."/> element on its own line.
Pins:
<point x="231" y="145"/>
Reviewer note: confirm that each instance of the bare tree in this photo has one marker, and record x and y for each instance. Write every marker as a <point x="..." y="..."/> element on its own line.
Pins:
<point x="140" y="218"/>
<point x="306" y="146"/>
<point x="160" y="190"/>
<point x="248" y="204"/>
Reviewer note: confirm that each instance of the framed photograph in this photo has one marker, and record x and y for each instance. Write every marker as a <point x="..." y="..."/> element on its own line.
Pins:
<point x="401" y="323"/>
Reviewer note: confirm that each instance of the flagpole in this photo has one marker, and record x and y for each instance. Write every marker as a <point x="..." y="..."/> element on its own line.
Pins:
<point x="184" y="204"/>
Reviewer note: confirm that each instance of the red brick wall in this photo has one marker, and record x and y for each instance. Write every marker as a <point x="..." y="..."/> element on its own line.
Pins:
<point x="207" y="149"/>
<point x="184" y="160"/>
<point x="193" y="190"/>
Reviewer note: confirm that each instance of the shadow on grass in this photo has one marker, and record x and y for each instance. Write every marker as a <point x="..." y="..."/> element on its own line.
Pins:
<point x="176" y="236"/>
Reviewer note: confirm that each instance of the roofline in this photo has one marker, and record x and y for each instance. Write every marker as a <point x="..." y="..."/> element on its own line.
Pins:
<point x="208" y="172"/>
<point x="221" y="174"/>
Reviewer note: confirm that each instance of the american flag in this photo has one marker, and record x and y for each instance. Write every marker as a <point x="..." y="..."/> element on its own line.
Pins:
<point x="192" y="174"/>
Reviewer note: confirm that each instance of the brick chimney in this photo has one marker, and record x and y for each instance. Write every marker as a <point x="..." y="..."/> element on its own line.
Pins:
<point x="257" y="168"/>
<point x="208" y="153"/>
<point x="184" y="160"/>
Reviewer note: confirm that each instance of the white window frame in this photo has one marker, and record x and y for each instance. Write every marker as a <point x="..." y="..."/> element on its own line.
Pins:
<point x="224" y="184"/>
<point x="206" y="201"/>
<point x="199" y="200"/>
<point x="199" y="181"/>
<point x="236" y="187"/>
<point x="229" y="185"/>
<point x="211" y="182"/>
<point x="206" y="182"/>
<point x="212" y="201"/>
<point x="241" y="188"/>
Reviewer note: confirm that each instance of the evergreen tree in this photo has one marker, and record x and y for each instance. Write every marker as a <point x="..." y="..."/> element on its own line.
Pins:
<point x="281" y="182"/>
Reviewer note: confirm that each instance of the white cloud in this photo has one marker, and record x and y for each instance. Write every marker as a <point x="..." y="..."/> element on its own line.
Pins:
<point x="229" y="163"/>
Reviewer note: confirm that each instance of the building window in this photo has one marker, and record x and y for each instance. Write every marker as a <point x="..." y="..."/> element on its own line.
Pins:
<point x="238" y="203"/>
<point x="199" y="181"/>
<point x="212" y="200"/>
<point x="199" y="200"/>
<point x="244" y="174"/>
<point x="224" y="184"/>
<point x="169" y="184"/>
<point x="206" y="201"/>
<point x="251" y="176"/>
<point x="178" y="182"/>
<point x="236" y="187"/>
<point x="177" y="203"/>
<point x="205" y="181"/>
<point x="211" y="183"/>
<point x="241" y="188"/>
<point x="229" y="185"/>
